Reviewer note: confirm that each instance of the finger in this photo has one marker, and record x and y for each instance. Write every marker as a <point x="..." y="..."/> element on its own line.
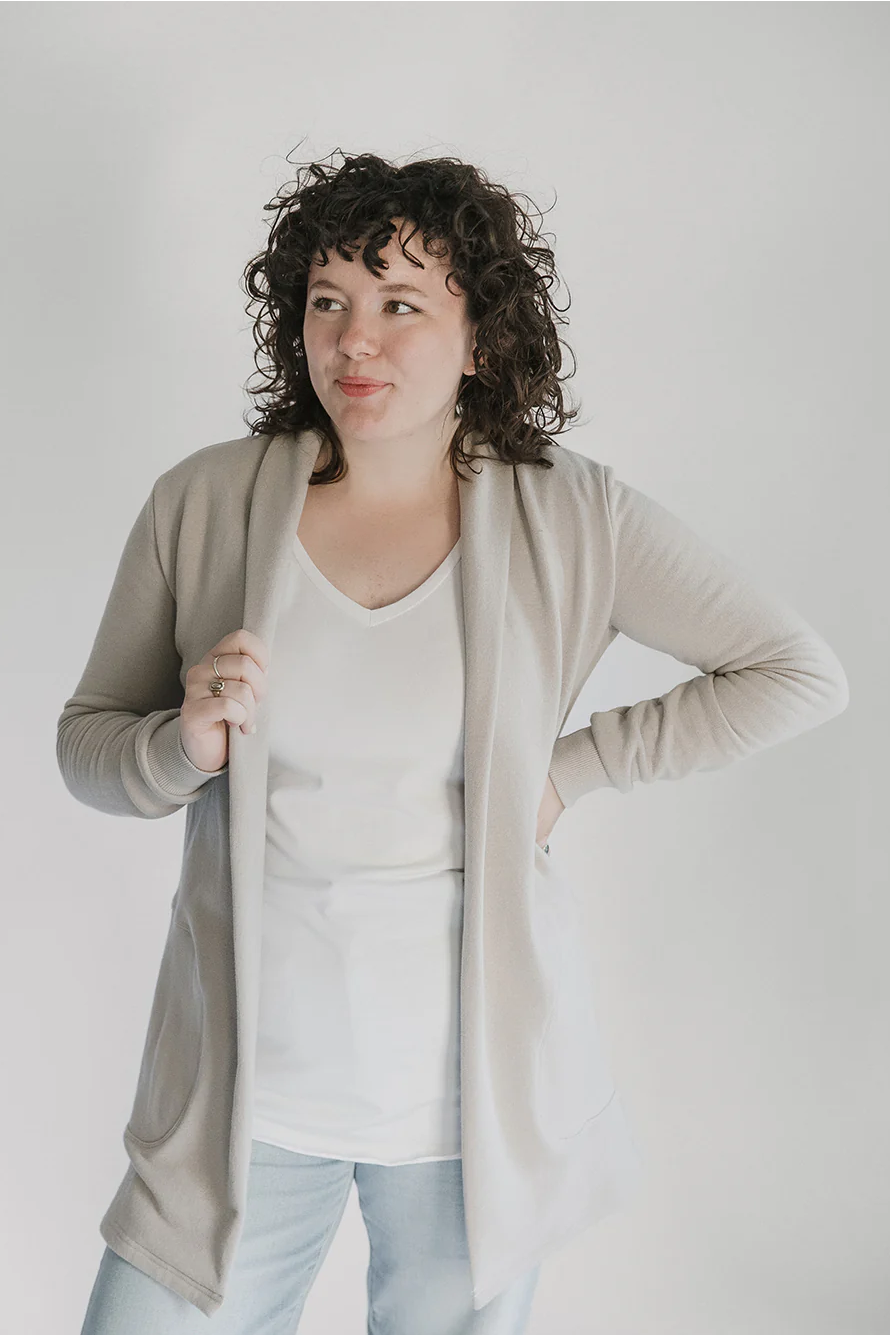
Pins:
<point x="244" y="642"/>
<point x="240" y="668"/>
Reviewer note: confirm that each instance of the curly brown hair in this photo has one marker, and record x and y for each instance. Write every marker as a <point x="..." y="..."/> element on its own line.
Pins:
<point x="496" y="256"/>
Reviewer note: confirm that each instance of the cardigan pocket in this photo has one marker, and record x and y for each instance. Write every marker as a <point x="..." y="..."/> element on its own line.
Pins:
<point x="171" y="1056"/>
<point x="573" y="1083"/>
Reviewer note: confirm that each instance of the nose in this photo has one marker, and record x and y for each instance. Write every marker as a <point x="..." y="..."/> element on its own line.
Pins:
<point x="359" y="336"/>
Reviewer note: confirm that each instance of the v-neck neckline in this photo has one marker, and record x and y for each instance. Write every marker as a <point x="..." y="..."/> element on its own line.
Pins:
<point x="372" y="616"/>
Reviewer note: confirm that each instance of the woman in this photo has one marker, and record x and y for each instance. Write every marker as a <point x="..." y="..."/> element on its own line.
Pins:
<point x="351" y="663"/>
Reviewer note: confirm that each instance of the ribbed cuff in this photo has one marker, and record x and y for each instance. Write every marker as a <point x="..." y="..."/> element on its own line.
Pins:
<point x="170" y="766"/>
<point x="575" y="766"/>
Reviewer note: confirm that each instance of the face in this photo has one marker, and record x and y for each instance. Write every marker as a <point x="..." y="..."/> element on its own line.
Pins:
<point x="418" y="343"/>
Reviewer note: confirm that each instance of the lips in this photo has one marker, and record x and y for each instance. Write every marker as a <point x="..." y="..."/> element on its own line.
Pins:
<point x="361" y="389"/>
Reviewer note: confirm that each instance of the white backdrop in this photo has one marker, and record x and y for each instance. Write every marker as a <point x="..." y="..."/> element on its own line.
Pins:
<point x="721" y="225"/>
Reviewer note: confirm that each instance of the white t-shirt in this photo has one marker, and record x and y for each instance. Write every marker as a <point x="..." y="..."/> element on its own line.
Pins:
<point x="358" y="1051"/>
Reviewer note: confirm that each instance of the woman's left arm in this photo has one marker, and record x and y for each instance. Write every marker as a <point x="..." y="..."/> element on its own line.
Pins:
<point x="767" y="674"/>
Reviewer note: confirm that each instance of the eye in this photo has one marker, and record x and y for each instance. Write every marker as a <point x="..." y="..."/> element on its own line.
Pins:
<point x="315" y="304"/>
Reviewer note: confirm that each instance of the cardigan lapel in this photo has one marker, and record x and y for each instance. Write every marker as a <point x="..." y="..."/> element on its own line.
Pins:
<point x="486" y="503"/>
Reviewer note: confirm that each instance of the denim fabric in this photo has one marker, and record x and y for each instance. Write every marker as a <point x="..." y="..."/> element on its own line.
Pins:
<point x="418" y="1274"/>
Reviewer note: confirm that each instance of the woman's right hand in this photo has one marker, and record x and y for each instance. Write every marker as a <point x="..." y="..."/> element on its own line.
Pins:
<point x="204" y="717"/>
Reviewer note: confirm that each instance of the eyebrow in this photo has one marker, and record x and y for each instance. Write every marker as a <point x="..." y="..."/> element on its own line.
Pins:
<point x="384" y="287"/>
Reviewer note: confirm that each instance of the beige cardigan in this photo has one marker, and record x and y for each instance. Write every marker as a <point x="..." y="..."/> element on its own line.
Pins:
<point x="554" y="564"/>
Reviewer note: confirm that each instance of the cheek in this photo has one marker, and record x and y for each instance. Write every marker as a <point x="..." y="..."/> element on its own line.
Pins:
<point x="427" y="352"/>
<point x="310" y="337"/>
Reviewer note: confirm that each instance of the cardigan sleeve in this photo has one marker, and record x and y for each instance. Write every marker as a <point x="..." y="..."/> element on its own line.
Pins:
<point x="767" y="675"/>
<point x="118" y="744"/>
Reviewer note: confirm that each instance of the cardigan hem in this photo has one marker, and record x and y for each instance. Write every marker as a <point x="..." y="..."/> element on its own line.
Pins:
<point x="205" y="1299"/>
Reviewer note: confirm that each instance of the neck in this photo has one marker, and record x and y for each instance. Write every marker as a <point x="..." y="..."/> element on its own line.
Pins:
<point x="387" y="477"/>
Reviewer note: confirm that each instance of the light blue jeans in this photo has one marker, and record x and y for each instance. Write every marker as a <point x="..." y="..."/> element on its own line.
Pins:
<point x="418" y="1273"/>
